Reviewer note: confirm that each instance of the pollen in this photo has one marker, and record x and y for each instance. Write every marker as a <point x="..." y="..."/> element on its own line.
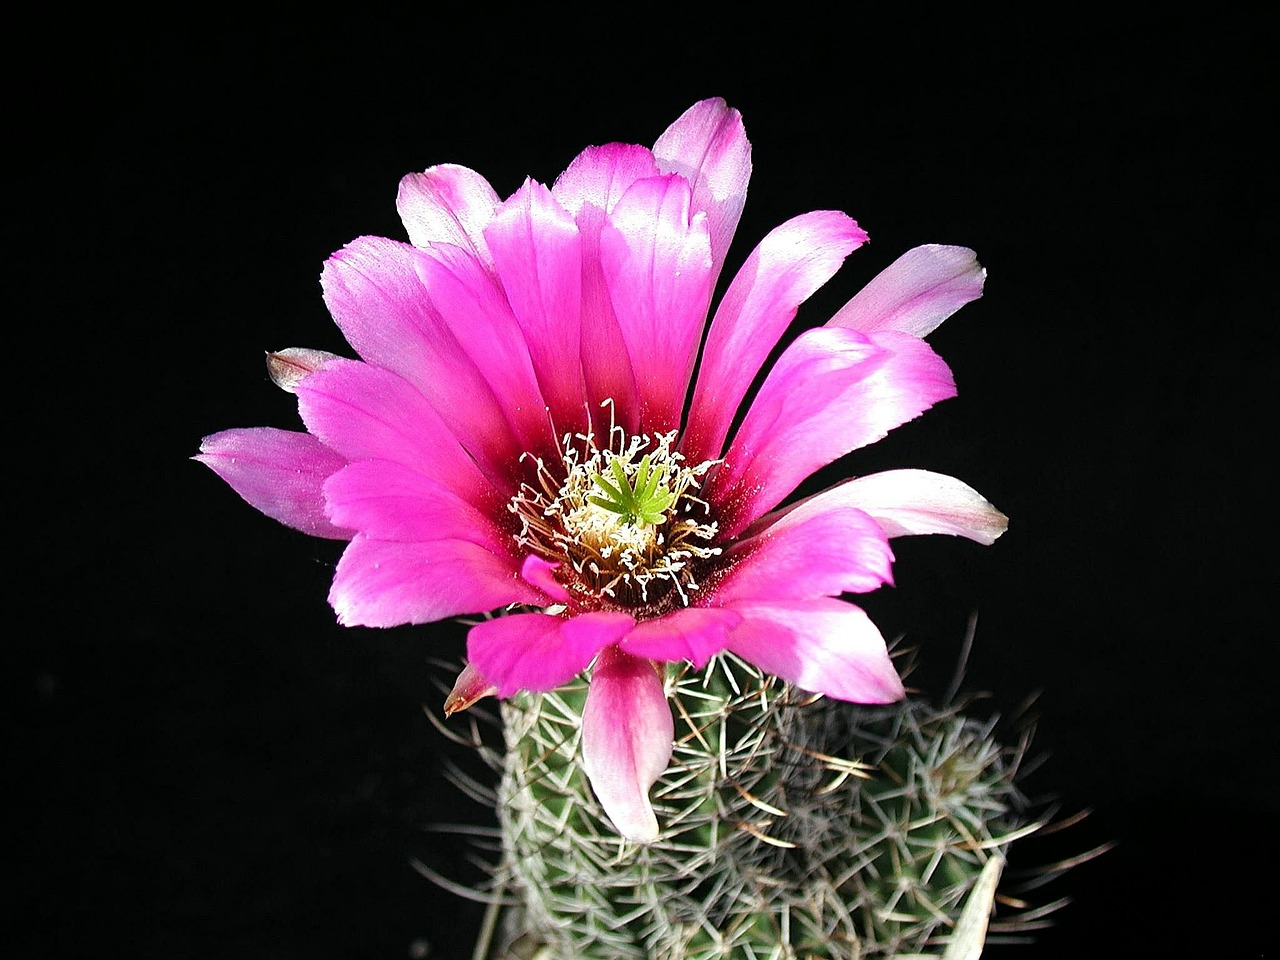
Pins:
<point x="622" y="518"/>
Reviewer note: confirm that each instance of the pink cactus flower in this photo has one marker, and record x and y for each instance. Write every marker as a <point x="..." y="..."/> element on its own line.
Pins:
<point x="524" y="433"/>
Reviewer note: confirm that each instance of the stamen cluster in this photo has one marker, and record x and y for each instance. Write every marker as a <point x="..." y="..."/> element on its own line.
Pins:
<point x="624" y="520"/>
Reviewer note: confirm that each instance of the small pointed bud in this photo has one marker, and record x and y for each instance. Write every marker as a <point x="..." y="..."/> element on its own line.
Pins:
<point x="289" y="367"/>
<point x="469" y="687"/>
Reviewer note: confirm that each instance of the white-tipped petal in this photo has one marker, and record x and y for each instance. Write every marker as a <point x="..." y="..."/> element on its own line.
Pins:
<point x="916" y="292"/>
<point x="627" y="734"/>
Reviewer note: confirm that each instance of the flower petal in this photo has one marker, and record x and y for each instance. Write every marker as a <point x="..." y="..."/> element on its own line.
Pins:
<point x="832" y="391"/>
<point x="447" y="204"/>
<point x="389" y="501"/>
<point x="688" y="633"/>
<point x="589" y="189"/>
<point x="375" y="293"/>
<point x="826" y="646"/>
<point x="474" y="307"/>
<point x="539" y="572"/>
<point x="538" y="651"/>
<point x="910" y="502"/>
<point x="916" y="292"/>
<point x="366" y="412"/>
<point x="657" y="265"/>
<point x="708" y="146"/>
<point x="538" y="256"/>
<point x="598" y="177"/>
<point x="789" y="264"/>
<point x="280" y="472"/>
<point x="627" y="735"/>
<point x="381" y="583"/>
<point x="808" y="553"/>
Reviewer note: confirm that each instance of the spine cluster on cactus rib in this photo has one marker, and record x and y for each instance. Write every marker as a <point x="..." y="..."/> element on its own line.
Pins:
<point x="795" y="827"/>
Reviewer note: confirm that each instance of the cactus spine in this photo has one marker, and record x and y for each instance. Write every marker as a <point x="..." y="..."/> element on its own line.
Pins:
<point x="792" y="827"/>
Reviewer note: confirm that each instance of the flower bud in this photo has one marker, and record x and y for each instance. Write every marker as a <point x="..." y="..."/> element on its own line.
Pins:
<point x="290" y="366"/>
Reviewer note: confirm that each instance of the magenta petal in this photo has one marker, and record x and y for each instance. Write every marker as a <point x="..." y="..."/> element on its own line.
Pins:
<point x="599" y="176"/>
<point x="366" y="412"/>
<point x="381" y="583"/>
<point x="826" y="646"/>
<point x="538" y="651"/>
<point x="539" y="572"/>
<point x="789" y="264"/>
<point x="807" y="553"/>
<point x="538" y="256"/>
<point x="627" y="735"/>
<point x="832" y="391"/>
<point x="388" y="501"/>
<point x="916" y="292"/>
<point x="657" y="265"/>
<point x="447" y="204"/>
<point x="376" y="294"/>
<point x="589" y="190"/>
<point x="689" y="633"/>
<point x="708" y="146"/>
<point x="475" y="308"/>
<point x="910" y="502"/>
<point x="280" y="472"/>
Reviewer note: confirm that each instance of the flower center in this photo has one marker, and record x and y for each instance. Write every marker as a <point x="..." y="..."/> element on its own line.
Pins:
<point x="623" y="520"/>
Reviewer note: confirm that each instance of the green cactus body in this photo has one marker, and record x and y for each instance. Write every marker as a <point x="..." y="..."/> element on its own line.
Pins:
<point x="792" y="827"/>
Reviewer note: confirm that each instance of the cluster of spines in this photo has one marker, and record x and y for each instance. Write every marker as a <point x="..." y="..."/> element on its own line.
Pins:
<point x="794" y="828"/>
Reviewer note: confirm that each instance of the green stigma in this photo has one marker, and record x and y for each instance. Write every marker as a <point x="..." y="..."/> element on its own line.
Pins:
<point x="642" y="499"/>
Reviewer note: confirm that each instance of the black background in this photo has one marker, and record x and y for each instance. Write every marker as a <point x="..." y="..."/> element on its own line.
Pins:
<point x="207" y="766"/>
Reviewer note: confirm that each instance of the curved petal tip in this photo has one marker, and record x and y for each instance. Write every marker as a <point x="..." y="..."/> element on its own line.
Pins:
<point x="468" y="689"/>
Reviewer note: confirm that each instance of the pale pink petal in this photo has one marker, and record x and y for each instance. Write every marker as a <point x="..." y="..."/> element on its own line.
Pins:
<point x="470" y="687"/>
<point x="916" y="292"/>
<point x="382" y="583"/>
<point x="708" y="146"/>
<point x="540" y="573"/>
<point x="825" y="646"/>
<point x="599" y="176"/>
<point x="537" y="253"/>
<point x="373" y="289"/>
<point x="538" y="651"/>
<point x="832" y="391"/>
<point x="474" y="307"/>
<point x="695" y="634"/>
<point x="589" y="189"/>
<point x="909" y="502"/>
<point x="280" y="472"/>
<point x="657" y="265"/>
<point x="290" y="366"/>
<point x="447" y="204"/>
<point x="627" y="737"/>
<point x="790" y="263"/>
<point x="366" y="412"/>
<point x="808" y="553"/>
<point x="389" y="501"/>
